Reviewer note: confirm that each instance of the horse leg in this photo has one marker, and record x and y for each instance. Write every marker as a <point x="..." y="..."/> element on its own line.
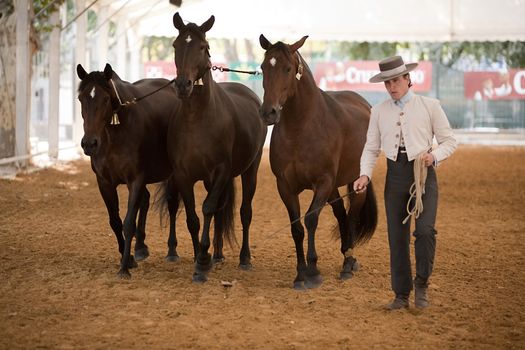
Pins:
<point x="311" y="220"/>
<point x="141" y="249"/>
<point x="192" y="219"/>
<point x="350" y="264"/>
<point x="110" y="196"/>
<point x="209" y="209"/>
<point x="218" y="242"/>
<point x="249" y="183"/>
<point x="172" y="197"/>
<point x="136" y="192"/>
<point x="338" y="208"/>
<point x="291" y="201"/>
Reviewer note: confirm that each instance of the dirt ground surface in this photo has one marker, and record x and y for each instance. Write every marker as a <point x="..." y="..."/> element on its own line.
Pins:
<point x="59" y="260"/>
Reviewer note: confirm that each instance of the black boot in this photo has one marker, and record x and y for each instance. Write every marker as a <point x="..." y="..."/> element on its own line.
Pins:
<point x="400" y="302"/>
<point x="421" y="299"/>
<point x="420" y="287"/>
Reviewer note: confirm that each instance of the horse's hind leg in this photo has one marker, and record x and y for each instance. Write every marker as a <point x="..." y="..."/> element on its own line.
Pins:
<point x="339" y="211"/>
<point x="350" y="264"/>
<point x="338" y="208"/>
<point x="321" y="195"/>
<point x="209" y="208"/>
<point x="173" y="199"/>
<point x="141" y="249"/>
<point x="218" y="241"/>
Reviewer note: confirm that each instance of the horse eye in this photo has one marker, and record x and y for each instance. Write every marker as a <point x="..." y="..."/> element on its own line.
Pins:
<point x="288" y="69"/>
<point x="203" y="47"/>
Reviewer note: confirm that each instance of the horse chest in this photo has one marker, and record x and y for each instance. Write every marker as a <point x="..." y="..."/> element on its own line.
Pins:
<point x="114" y="168"/>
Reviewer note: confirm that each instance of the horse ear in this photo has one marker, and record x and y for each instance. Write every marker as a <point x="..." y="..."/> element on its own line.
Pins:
<point x="208" y="24"/>
<point x="265" y="43"/>
<point x="297" y="45"/>
<point x="177" y="22"/>
<point x="81" y="72"/>
<point x="108" y="71"/>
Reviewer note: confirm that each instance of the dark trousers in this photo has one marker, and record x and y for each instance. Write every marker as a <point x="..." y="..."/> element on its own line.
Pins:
<point x="399" y="178"/>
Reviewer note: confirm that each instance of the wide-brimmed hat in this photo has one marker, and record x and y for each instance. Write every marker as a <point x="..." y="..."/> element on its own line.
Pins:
<point x="391" y="68"/>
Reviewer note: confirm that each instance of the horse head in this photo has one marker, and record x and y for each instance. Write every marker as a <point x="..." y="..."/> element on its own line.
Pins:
<point x="192" y="57"/>
<point x="282" y="69"/>
<point x="99" y="103"/>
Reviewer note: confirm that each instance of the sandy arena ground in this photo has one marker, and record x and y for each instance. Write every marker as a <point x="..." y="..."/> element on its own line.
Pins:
<point x="59" y="260"/>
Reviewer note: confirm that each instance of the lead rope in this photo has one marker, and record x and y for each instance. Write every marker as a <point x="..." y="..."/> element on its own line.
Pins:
<point x="417" y="190"/>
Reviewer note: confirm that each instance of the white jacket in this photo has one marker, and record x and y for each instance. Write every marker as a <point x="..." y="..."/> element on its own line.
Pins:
<point x="420" y="120"/>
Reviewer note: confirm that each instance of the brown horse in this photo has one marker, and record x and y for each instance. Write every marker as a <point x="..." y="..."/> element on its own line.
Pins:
<point x="216" y="136"/>
<point x="127" y="145"/>
<point x="316" y="145"/>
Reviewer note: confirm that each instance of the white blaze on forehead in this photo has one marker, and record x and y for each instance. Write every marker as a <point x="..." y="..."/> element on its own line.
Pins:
<point x="92" y="93"/>
<point x="188" y="39"/>
<point x="273" y="61"/>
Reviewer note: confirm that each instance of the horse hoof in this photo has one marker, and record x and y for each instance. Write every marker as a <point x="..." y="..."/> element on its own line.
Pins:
<point x="313" y="281"/>
<point x="346" y="275"/>
<point x="299" y="285"/>
<point x="203" y="268"/>
<point x="124" y="274"/>
<point x="199" y="278"/>
<point x="141" y="254"/>
<point x="245" y="266"/>
<point x="356" y="266"/>
<point x="132" y="263"/>
<point x="172" y="258"/>
<point x="218" y="260"/>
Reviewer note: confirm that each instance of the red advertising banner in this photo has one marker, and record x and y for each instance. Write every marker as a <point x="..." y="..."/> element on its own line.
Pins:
<point x="508" y="85"/>
<point x="354" y="75"/>
<point x="167" y="70"/>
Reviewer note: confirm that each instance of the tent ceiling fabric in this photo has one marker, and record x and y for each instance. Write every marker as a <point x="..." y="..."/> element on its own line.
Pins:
<point x="344" y="20"/>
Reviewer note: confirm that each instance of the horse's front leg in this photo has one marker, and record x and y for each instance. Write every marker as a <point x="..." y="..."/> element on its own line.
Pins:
<point x="141" y="249"/>
<point x="291" y="201"/>
<point x="136" y="192"/>
<point x="109" y="194"/>
<point x="185" y="188"/>
<point x="249" y="183"/>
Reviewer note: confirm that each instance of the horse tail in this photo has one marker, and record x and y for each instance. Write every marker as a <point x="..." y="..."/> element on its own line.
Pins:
<point x="224" y="217"/>
<point x="161" y="200"/>
<point x="367" y="222"/>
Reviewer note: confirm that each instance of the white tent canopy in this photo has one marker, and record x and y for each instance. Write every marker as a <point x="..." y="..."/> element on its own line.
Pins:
<point x="345" y="20"/>
<point x="288" y="20"/>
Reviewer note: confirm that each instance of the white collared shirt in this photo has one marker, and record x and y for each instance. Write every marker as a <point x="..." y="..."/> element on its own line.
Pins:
<point x="419" y="121"/>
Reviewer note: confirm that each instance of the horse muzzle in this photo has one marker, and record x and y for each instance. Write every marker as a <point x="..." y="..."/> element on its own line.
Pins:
<point x="183" y="86"/>
<point x="270" y="115"/>
<point x="90" y="145"/>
